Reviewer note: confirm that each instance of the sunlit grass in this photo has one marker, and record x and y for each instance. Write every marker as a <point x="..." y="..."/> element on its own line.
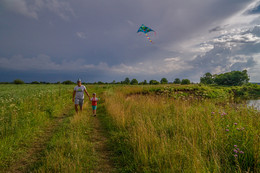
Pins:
<point x="25" y="111"/>
<point x="174" y="135"/>
<point x="70" y="149"/>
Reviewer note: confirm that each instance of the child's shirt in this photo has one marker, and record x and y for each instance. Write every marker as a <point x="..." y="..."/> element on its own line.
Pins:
<point x="94" y="101"/>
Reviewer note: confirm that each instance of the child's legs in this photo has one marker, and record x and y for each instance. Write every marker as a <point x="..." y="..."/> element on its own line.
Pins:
<point x="94" y="108"/>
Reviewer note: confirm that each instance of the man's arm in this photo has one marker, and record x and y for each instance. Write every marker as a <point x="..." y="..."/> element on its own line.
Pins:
<point x="87" y="93"/>
<point x="74" y="92"/>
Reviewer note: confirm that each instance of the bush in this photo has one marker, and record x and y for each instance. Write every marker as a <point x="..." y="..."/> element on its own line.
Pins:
<point x="154" y="82"/>
<point x="67" y="82"/>
<point x="35" y="82"/>
<point x="18" y="81"/>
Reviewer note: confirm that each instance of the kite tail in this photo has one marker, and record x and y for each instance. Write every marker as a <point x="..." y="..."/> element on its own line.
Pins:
<point x="148" y="38"/>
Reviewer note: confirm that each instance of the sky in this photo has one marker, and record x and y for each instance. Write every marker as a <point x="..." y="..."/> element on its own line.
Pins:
<point x="97" y="40"/>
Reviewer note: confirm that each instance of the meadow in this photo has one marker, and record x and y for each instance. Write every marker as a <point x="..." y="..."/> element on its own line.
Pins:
<point x="161" y="128"/>
<point x="168" y="129"/>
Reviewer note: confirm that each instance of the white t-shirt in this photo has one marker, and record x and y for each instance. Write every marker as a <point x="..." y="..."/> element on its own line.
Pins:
<point x="79" y="91"/>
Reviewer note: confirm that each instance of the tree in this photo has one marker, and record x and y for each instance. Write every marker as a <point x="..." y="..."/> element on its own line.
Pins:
<point x="114" y="82"/>
<point x="134" y="82"/>
<point x="126" y="81"/>
<point x="18" y="81"/>
<point x="154" y="82"/>
<point x="232" y="78"/>
<point x="67" y="82"/>
<point x="100" y="82"/>
<point x="177" y="81"/>
<point x="35" y="82"/>
<point x="185" y="81"/>
<point x="164" y="81"/>
<point x="207" y="78"/>
<point x="143" y="83"/>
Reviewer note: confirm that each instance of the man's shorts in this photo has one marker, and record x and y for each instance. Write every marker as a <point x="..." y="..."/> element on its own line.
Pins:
<point x="94" y="107"/>
<point x="79" y="101"/>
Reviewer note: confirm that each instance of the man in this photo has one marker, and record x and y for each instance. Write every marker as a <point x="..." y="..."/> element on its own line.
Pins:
<point x="78" y="95"/>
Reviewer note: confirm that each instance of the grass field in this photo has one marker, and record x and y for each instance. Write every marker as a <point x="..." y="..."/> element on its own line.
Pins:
<point x="164" y="128"/>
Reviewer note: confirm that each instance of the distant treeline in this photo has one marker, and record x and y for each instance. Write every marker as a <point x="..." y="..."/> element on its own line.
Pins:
<point x="233" y="78"/>
<point x="127" y="81"/>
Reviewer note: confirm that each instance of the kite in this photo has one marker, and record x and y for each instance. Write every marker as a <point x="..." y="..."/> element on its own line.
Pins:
<point x="145" y="30"/>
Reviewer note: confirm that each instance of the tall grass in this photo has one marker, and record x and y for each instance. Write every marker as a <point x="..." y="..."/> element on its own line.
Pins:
<point x="25" y="111"/>
<point x="70" y="149"/>
<point x="180" y="135"/>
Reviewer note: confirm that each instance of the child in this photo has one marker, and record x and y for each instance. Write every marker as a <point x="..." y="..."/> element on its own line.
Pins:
<point x="94" y="100"/>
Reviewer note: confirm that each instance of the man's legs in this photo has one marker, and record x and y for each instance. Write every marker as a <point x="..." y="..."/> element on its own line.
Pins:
<point x="81" y="101"/>
<point x="76" y="108"/>
<point x="81" y="107"/>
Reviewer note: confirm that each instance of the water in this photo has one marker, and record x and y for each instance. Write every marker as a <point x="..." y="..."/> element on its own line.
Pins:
<point x="254" y="103"/>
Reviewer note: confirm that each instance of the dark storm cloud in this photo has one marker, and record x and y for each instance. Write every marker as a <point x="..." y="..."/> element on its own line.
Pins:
<point x="218" y="28"/>
<point x="82" y="36"/>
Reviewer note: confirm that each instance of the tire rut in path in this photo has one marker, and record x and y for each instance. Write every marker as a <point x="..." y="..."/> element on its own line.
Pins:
<point x="35" y="152"/>
<point x="104" y="163"/>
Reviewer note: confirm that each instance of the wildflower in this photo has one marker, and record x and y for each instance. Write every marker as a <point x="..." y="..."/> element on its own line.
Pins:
<point x="235" y="155"/>
<point x="242" y="152"/>
<point x="227" y="130"/>
<point x="235" y="146"/>
<point x="238" y="129"/>
<point x="213" y="112"/>
<point x="242" y="128"/>
<point x="235" y="124"/>
<point x="235" y="151"/>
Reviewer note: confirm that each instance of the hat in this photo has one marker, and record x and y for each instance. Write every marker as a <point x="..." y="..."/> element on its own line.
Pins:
<point x="79" y="80"/>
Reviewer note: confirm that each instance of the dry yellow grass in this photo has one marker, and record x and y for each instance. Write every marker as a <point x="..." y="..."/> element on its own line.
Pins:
<point x="169" y="135"/>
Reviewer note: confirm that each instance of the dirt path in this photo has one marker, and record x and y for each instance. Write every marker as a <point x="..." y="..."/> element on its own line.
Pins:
<point x="35" y="152"/>
<point x="100" y="145"/>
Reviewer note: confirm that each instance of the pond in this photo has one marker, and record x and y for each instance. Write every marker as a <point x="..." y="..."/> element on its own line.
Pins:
<point x="254" y="103"/>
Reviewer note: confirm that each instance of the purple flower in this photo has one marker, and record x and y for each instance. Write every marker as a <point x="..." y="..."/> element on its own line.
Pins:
<point x="213" y="112"/>
<point x="235" y="146"/>
<point x="238" y="129"/>
<point x="242" y="152"/>
<point x="235" y="155"/>
<point x="235" y="124"/>
<point x="242" y="128"/>
<point x="227" y="130"/>
<point x="235" y="151"/>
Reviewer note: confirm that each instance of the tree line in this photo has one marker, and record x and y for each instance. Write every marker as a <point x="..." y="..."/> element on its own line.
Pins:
<point x="233" y="78"/>
<point x="127" y="81"/>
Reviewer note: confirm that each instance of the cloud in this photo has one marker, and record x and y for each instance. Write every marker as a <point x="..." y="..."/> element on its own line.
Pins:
<point x="193" y="37"/>
<point x="218" y="28"/>
<point x="81" y="35"/>
<point x="21" y="7"/>
<point x="32" y="9"/>
<point x="238" y="38"/>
